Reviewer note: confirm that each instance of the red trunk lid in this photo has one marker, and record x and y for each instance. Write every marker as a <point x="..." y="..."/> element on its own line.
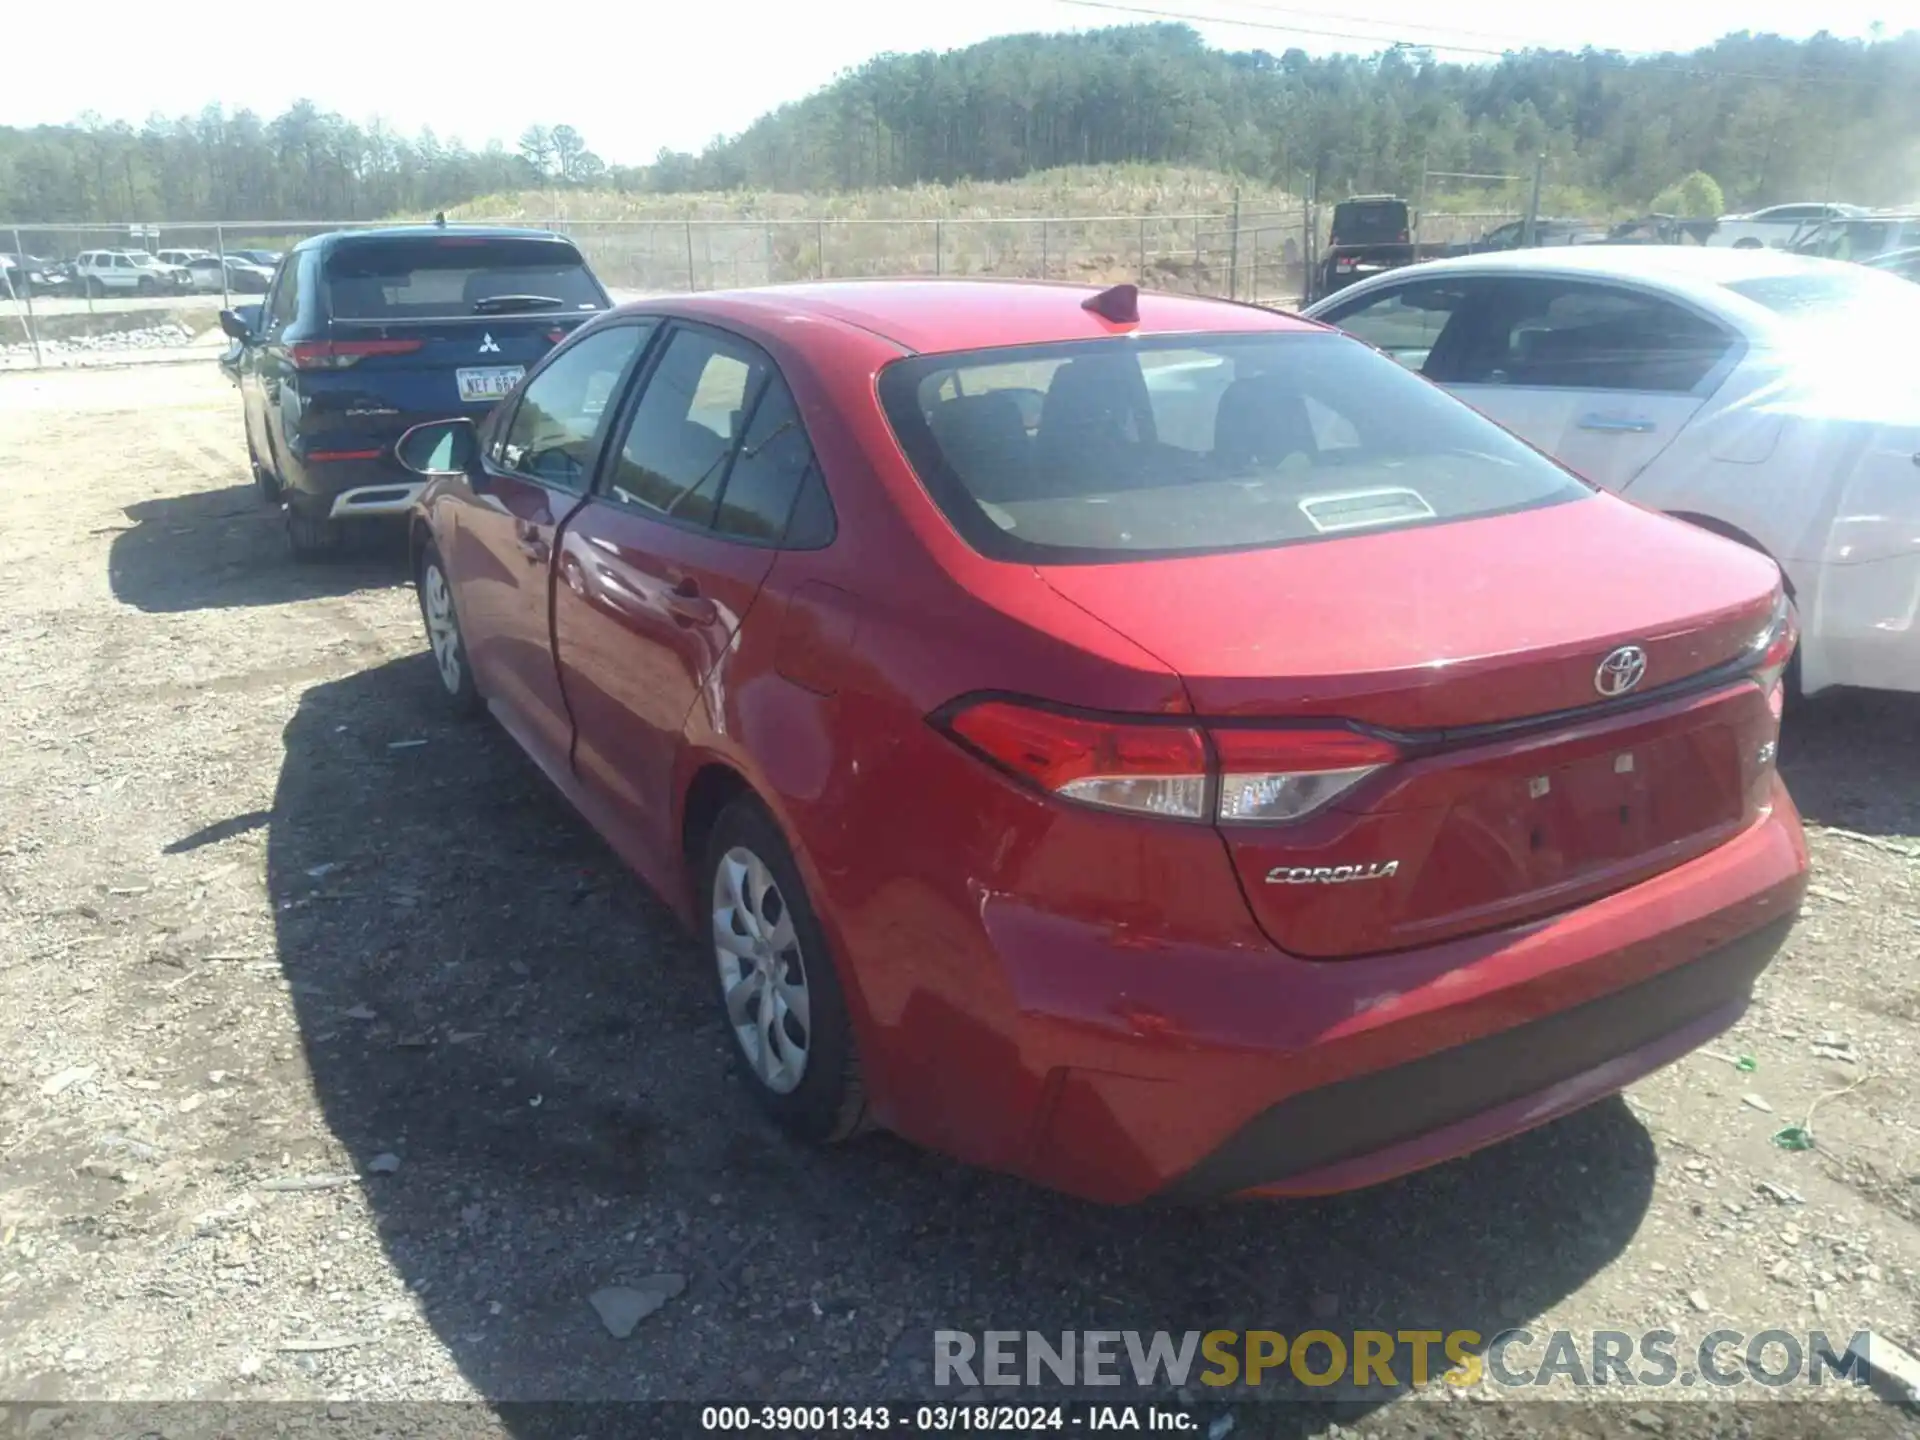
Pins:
<point x="1449" y="635"/>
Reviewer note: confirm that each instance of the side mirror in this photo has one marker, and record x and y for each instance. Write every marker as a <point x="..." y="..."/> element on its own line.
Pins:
<point x="236" y="326"/>
<point x="439" y="447"/>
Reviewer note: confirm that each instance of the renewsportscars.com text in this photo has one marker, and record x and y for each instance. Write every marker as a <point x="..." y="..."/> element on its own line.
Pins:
<point x="1363" y="1360"/>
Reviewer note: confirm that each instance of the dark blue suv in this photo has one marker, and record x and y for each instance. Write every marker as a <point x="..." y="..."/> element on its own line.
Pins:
<point x="367" y="332"/>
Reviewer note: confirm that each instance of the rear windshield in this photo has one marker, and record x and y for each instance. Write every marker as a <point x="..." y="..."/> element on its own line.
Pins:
<point x="1181" y="445"/>
<point x="1369" y="222"/>
<point x="435" y="276"/>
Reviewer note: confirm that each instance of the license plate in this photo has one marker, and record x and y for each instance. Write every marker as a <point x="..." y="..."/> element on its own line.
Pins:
<point x="488" y="382"/>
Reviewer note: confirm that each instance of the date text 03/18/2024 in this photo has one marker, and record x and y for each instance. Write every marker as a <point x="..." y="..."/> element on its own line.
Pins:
<point x="945" y="1419"/>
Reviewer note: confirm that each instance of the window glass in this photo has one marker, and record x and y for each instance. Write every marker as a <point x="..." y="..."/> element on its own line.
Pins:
<point x="446" y="275"/>
<point x="673" y="460"/>
<point x="768" y="472"/>
<point x="286" y="295"/>
<point x="1406" y="322"/>
<point x="1269" y="439"/>
<point x="1569" y="335"/>
<point x="551" y="437"/>
<point x="1837" y="296"/>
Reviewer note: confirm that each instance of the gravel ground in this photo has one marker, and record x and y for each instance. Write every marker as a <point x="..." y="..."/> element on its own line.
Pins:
<point x="339" y="1061"/>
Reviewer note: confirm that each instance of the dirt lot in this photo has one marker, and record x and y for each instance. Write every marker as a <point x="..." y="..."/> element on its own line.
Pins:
<point x="270" y="924"/>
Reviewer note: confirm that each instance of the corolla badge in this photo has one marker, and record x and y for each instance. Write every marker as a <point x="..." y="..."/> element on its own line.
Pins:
<point x="1331" y="874"/>
<point x="1620" y="671"/>
<point x="487" y="345"/>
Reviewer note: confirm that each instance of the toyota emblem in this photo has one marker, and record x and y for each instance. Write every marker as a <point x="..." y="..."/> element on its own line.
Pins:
<point x="1620" y="671"/>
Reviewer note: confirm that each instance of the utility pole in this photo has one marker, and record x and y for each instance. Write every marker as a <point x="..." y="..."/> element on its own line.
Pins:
<point x="1533" y="204"/>
<point x="1233" y="251"/>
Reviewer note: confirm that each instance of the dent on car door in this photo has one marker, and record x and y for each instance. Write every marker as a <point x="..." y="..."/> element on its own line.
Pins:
<point x="1601" y="377"/>
<point x="661" y="567"/>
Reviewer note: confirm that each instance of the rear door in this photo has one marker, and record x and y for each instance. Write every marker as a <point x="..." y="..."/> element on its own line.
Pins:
<point x="661" y="566"/>
<point x="536" y="468"/>
<point x="276" y="398"/>
<point x="430" y="325"/>
<point x="1601" y="377"/>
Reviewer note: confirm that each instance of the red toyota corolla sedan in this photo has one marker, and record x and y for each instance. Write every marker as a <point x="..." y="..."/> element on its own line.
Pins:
<point x="1154" y="746"/>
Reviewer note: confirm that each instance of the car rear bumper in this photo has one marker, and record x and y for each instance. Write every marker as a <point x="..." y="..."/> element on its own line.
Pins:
<point x="374" y="500"/>
<point x="348" y="478"/>
<point x="1185" y="1073"/>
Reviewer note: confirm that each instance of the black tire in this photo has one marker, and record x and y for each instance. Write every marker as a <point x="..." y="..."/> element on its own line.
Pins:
<point x="147" y="286"/>
<point x="311" y="537"/>
<point x="455" y="671"/>
<point x="829" y="1102"/>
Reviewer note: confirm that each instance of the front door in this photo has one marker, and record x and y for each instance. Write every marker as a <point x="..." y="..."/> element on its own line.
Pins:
<point x="1600" y="377"/>
<point x="535" y="470"/>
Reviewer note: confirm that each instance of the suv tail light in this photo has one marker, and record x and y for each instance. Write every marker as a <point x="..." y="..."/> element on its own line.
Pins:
<point x="341" y="354"/>
<point x="1180" y="769"/>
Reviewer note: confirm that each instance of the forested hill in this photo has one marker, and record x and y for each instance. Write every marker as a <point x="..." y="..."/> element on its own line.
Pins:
<point x="1768" y="118"/>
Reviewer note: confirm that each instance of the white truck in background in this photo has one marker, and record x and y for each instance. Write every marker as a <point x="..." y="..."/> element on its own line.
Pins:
<point x="1776" y="227"/>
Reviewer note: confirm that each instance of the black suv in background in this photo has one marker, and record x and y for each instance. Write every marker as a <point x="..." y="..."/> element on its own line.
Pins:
<point x="367" y="332"/>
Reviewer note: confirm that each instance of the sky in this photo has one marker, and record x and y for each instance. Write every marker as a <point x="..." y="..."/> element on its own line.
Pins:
<point x="647" y="74"/>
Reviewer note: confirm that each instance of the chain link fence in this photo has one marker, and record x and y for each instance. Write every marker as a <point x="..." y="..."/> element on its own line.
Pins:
<point x="78" y="295"/>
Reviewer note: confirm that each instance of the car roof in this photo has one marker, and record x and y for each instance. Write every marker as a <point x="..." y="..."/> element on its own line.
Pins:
<point x="1683" y="266"/>
<point x="424" y="231"/>
<point x="931" y="316"/>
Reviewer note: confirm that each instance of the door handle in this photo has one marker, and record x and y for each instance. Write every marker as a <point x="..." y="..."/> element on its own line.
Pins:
<point x="688" y="606"/>
<point x="1617" y="424"/>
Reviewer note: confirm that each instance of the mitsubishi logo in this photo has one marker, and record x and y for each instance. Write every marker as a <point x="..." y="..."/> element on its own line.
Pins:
<point x="487" y="347"/>
<point x="1620" y="671"/>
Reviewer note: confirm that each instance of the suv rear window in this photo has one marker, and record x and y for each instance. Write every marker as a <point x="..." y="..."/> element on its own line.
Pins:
<point x="1370" y="222"/>
<point x="1119" y="449"/>
<point x="437" y="276"/>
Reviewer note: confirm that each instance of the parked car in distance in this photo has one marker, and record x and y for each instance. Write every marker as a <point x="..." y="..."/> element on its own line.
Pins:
<point x="1859" y="238"/>
<point x="1904" y="263"/>
<point x="183" y="259"/>
<point x="1749" y="391"/>
<point x="1546" y="231"/>
<point x="366" y="332"/>
<point x="1777" y="226"/>
<point x="266" y="259"/>
<point x="214" y="275"/>
<point x="1151" y="745"/>
<point x="22" y="276"/>
<point x="132" y="271"/>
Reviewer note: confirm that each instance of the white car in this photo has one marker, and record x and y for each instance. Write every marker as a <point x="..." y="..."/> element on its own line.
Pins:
<point x="1765" y="396"/>
<point x="1777" y="226"/>
<point x="101" y="271"/>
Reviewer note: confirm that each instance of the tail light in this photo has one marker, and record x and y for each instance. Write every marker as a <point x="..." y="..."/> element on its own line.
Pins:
<point x="1155" y="769"/>
<point x="342" y="354"/>
<point x="1771" y="649"/>
<point x="1268" y="776"/>
<point x="1179" y="769"/>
